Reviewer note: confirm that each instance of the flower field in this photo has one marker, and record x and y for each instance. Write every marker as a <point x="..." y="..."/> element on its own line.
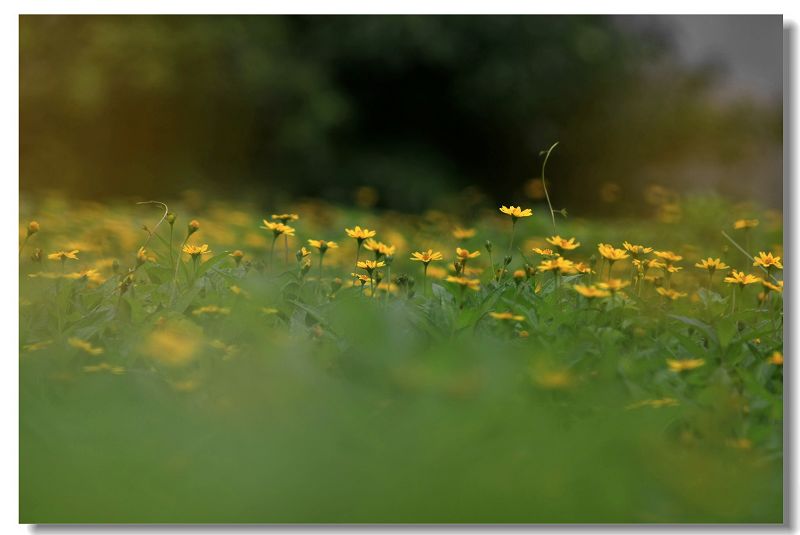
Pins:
<point x="209" y="361"/>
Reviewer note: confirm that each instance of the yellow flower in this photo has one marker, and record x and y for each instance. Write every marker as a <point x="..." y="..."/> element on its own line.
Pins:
<point x="654" y="403"/>
<point x="552" y="378"/>
<point x="283" y="218"/>
<point x="370" y="265"/>
<point x="196" y="251"/>
<point x="559" y="264"/>
<point x="464" y="254"/>
<point x="636" y="249"/>
<point x="668" y="256"/>
<point x="712" y="264"/>
<point x="211" y="309"/>
<point x="563" y="243"/>
<point x="104" y="367"/>
<point x="90" y="275"/>
<point x="303" y="252"/>
<point x="774" y="287"/>
<point x="463" y="233"/>
<point x="610" y="253"/>
<point x="669" y="294"/>
<point x="63" y="255"/>
<point x="745" y="223"/>
<point x="83" y="345"/>
<point x="174" y="343"/>
<point x="323" y="245"/>
<point x="516" y="211"/>
<point x="436" y="272"/>
<point x="141" y="256"/>
<point x="426" y="257"/>
<point x="379" y="247"/>
<point x="544" y="252"/>
<point x="673" y="269"/>
<point x="464" y="282"/>
<point x="359" y="233"/>
<point x="36" y="346"/>
<point x="277" y="228"/>
<point x="613" y="285"/>
<point x="678" y="366"/>
<point x="741" y="278"/>
<point x="507" y="316"/>
<point x="776" y="358"/>
<point x="766" y="260"/>
<point x="591" y="292"/>
<point x="363" y="279"/>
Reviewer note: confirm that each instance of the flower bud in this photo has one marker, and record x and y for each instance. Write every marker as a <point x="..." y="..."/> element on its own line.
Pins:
<point x="336" y="284"/>
<point x="488" y="246"/>
<point x="237" y="257"/>
<point x="194" y="226"/>
<point x="171" y="218"/>
<point x="33" y="228"/>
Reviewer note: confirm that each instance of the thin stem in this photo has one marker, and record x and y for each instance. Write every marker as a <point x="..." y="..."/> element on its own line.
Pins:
<point x="358" y="253"/>
<point x="272" y="252"/>
<point x="389" y="281"/>
<point x="544" y="185"/>
<point x="171" y="257"/>
<point x="177" y="265"/>
<point x="425" y="280"/>
<point x="286" y="250"/>
<point x="22" y="246"/>
<point x="511" y="242"/>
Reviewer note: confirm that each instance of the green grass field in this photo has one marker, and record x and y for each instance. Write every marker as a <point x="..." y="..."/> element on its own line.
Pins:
<point x="161" y="386"/>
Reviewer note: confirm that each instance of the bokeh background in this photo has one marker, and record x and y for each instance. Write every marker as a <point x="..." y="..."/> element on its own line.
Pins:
<point x="402" y="112"/>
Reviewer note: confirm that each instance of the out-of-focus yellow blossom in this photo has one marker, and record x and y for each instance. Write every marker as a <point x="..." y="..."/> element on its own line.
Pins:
<point x="670" y="294"/>
<point x="464" y="282"/>
<point x="745" y="224"/>
<point x="507" y="316"/>
<point x="463" y="233"/>
<point x="85" y="346"/>
<point x="678" y="366"/>
<point x="64" y="255"/>
<point x="591" y="292"/>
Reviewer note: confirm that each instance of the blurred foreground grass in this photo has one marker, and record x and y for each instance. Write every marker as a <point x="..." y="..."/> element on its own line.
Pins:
<point x="258" y="395"/>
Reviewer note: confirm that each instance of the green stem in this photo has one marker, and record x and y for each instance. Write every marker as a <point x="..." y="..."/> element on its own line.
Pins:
<point x="22" y="246"/>
<point x="544" y="185"/>
<point x="175" y="276"/>
<point x="171" y="257"/>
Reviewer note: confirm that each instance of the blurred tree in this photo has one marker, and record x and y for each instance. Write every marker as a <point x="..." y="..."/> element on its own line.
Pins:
<point x="414" y="106"/>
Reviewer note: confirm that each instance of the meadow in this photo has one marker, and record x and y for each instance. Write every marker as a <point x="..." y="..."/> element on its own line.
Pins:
<point x="210" y="361"/>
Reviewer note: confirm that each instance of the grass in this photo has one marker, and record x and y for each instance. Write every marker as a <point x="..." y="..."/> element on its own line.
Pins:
<point x="161" y="389"/>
